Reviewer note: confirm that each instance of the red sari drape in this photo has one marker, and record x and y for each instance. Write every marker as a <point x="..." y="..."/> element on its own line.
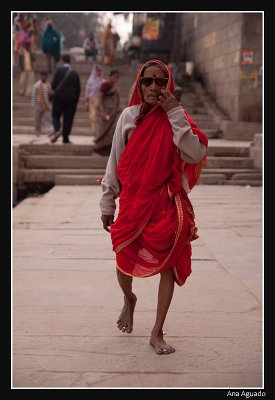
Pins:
<point x="155" y="224"/>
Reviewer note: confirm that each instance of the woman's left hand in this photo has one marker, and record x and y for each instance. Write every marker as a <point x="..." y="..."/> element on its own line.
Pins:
<point x="167" y="100"/>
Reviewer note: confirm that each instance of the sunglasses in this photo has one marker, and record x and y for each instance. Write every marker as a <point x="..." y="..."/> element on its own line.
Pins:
<point x="147" y="81"/>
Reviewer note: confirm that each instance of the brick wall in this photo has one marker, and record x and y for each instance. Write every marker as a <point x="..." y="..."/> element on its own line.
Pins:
<point x="217" y="44"/>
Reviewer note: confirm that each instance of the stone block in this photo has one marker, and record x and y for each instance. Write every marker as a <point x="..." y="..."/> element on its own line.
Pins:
<point x="256" y="151"/>
<point x="239" y="130"/>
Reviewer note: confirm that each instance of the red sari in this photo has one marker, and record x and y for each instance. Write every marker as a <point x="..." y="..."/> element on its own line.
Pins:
<point x="155" y="224"/>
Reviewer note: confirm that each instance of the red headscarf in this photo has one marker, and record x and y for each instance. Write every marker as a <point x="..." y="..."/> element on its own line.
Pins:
<point x="149" y="166"/>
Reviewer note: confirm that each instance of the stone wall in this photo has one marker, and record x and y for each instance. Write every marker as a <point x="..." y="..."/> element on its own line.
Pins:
<point x="226" y="49"/>
<point x="256" y="151"/>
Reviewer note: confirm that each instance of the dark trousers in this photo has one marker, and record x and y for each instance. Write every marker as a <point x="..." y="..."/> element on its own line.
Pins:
<point x="66" y="107"/>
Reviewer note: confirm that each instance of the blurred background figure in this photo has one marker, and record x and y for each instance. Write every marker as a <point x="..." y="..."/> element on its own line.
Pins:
<point x="51" y="46"/>
<point x="66" y="86"/>
<point x="23" y="32"/>
<point x="41" y="104"/>
<point x="116" y="39"/>
<point x="131" y="90"/>
<point x="107" y="111"/>
<point x="62" y="40"/>
<point x="178" y="91"/>
<point x="26" y="65"/>
<point x="92" y="89"/>
<point x="108" y="45"/>
<point x="133" y="48"/>
<point x="90" y="47"/>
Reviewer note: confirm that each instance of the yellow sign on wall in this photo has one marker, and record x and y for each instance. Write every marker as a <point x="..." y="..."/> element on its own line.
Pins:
<point x="150" y="29"/>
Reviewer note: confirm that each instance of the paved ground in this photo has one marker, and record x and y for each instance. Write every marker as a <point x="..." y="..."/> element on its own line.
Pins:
<point x="66" y="298"/>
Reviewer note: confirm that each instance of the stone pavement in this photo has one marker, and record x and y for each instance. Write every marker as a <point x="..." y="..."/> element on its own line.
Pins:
<point x="66" y="298"/>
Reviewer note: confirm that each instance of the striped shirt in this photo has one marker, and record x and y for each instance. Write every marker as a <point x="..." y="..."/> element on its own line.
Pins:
<point x="35" y="99"/>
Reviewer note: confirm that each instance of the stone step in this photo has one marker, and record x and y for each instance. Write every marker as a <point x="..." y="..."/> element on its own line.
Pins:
<point x="231" y="168"/>
<point x="188" y="104"/>
<point x="29" y="121"/>
<point x="195" y="110"/>
<point x="24" y="103"/>
<point x="206" y="124"/>
<point x="229" y="162"/>
<point x="64" y="161"/>
<point x="201" y="118"/>
<point x="125" y="81"/>
<point x="83" y="73"/>
<point x="124" y="89"/>
<point x="227" y="151"/>
<point x="215" y="148"/>
<point x="81" y="68"/>
<point x="219" y="179"/>
<point x="90" y="177"/>
<point x="248" y="182"/>
<point x="245" y="176"/>
<point x="76" y="179"/>
<point x="26" y="109"/>
<point x="211" y="179"/>
<point x="29" y="112"/>
<point x="82" y="120"/>
<point x="48" y="175"/>
<point x="86" y="131"/>
<point x="50" y="149"/>
<point x="229" y="173"/>
<point x="29" y="130"/>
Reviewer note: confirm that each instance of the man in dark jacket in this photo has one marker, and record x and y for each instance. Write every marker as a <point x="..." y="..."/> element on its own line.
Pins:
<point x="66" y="87"/>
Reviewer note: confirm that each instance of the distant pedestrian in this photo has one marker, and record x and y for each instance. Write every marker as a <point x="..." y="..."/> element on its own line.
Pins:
<point x="107" y="111"/>
<point x="108" y="46"/>
<point x="90" y="47"/>
<point x="41" y="104"/>
<point x="91" y="99"/>
<point x="66" y="87"/>
<point x="26" y="65"/>
<point x="51" y="46"/>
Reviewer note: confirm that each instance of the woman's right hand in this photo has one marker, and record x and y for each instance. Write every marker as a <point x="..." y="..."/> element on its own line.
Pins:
<point x="107" y="220"/>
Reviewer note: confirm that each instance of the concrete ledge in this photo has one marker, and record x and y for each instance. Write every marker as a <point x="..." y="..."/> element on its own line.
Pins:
<point x="240" y="130"/>
<point x="239" y="176"/>
<point x="211" y="179"/>
<point x="65" y="161"/>
<point x="48" y="175"/>
<point x="77" y="179"/>
<point x="229" y="162"/>
<point x="248" y="182"/>
<point x="15" y="162"/>
<point x="256" y="151"/>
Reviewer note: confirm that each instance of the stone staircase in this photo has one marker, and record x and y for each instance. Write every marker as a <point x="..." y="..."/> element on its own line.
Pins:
<point x="229" y="161"/>
<point x="23" y="119"/>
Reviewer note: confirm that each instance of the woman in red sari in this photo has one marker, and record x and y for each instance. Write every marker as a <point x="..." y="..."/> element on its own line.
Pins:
<point x="156" y="158"/>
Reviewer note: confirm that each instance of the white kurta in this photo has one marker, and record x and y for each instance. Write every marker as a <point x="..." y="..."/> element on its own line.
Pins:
<point x="191" y="149"/>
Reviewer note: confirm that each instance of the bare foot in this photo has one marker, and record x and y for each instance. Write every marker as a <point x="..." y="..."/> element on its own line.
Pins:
<point x="125" y="320"/>
<point x="160" y="346"/>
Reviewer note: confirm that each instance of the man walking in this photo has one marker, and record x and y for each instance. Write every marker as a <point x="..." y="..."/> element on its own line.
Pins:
<point x="66" y="87"/>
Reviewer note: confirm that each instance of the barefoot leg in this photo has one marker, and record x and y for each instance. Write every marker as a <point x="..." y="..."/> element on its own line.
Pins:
<point x="126" y="318"/>
<point x="165" y="294"/>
